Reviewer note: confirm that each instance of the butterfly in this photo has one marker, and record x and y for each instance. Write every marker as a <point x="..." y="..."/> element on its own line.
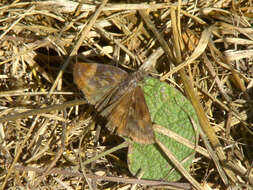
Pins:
<point x="116" y="95"/>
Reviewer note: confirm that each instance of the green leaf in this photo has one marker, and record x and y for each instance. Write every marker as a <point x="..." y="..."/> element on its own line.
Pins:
<point x="170" y="109"/>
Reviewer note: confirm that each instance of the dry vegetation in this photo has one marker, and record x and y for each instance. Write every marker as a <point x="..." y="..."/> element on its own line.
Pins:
<point x="46" y="139"/>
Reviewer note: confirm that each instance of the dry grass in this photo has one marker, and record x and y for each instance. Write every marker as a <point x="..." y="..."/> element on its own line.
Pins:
<point x="46" y="139"/>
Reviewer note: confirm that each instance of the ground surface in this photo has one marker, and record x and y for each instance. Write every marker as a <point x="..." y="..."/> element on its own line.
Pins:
<point x="203" y="48"/>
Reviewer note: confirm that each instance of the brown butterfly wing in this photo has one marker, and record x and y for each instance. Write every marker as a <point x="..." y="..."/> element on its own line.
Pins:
<point x="132" y="119"/>
<point x="118" y="116"/>
<point x="97" y="81"/>
<point x="126" y="110"/>
<point x="139" y="122"/>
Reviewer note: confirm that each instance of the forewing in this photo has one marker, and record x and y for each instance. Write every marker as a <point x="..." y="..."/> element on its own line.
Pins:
<point x="97" y="80"/>
<point x="119" y="114"/>
<point x="131" y="118"/>
<point x="139" y="124"/>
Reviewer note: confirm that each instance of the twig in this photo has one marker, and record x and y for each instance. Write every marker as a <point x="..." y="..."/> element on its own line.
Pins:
<point x="42" y="110"/>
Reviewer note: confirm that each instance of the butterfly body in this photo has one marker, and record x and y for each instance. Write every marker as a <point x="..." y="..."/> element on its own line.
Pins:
<point x="116" y="95"/>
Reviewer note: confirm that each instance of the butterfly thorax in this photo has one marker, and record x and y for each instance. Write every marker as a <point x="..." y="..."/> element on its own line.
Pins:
<point x="131" y="81"/>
